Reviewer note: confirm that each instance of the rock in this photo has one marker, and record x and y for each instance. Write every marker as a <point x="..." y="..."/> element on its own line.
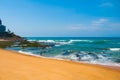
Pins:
<point x="80" y="55"/>
<point x="66" y="52"/>
<point x="93" y="55"/>
<point x="117" y="60"/>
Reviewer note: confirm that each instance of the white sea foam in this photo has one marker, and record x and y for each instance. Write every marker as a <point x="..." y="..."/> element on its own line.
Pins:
<point x="62" y="42"/>
<point x="57" y="42"/>
<point x="86" y="59"/>
<point x="27" y="53"/>
<point x="31" y="40"/>
<point x="114" y="49"/>
<point x="89" y="59"/>
<point x="57" y="45"/>
<point x="81" y="41"/>
<point x="109" y="63"/>
<point x="50" y="41"/>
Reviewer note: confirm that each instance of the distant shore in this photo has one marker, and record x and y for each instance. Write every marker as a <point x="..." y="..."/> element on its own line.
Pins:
<point x="15" y="66"/>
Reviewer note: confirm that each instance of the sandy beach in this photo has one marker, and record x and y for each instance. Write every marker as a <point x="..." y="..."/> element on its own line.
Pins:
<point x="15" y="66"/>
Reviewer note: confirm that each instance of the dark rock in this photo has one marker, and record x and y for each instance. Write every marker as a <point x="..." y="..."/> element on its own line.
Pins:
<point x="117" y="60"/>
<point x="93" y="55"/>
<point x="80" y="55"/>
<point x="66" y="52"/>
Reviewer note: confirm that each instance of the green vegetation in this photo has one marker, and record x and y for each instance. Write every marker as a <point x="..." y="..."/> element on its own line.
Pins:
<point x="26" y="43"/>
<point x="23" y="44"/>
<point x="11" y="39"/>
<point x="4" y="44"/>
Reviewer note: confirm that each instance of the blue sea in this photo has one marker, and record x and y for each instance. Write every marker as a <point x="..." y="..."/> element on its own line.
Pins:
<point x="94" y="50"/>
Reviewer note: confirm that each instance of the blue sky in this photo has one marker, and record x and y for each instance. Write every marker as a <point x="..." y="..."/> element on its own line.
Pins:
<point x="62" y="18"/>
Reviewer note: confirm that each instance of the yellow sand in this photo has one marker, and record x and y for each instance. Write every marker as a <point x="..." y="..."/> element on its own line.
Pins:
<point x="16" y="66"/>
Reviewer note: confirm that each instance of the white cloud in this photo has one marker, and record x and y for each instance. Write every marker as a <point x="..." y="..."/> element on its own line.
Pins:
<point x="77" y="27"/>
<point x="115" y="24"/>
<point x="96" y="28"/>
<point x="106" y="4"/>
<point x="99" y="22"/>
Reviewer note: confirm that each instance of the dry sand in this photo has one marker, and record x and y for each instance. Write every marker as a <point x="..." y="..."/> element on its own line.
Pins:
<point x="15" y="66"/>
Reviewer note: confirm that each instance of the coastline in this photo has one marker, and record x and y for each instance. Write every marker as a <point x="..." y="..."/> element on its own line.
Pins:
<point x="108" y="66"/>
<point x="27" y="67"/>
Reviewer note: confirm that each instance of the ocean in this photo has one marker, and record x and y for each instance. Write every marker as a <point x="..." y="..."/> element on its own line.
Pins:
<point x="94" y="50"/>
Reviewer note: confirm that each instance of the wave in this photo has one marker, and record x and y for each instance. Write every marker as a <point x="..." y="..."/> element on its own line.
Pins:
<point x="62" y="42"/>
<point x="82" y="57"/>
<point x="80" y="41"/>
<point x="58" y="43"/>
<point x="31" y="40"/>
<point x="27" y="53"/>
<point x="89" y="59"/>
<point x="114" y="49"/>
<point x="50" y="41"/>
<point x="71" y="41"/>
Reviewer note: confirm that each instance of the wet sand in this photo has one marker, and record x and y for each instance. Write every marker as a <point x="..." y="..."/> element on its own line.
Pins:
<point x="16" y="66"/>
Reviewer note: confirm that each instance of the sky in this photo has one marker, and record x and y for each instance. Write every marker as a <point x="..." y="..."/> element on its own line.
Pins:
<point x="62" y="18"/>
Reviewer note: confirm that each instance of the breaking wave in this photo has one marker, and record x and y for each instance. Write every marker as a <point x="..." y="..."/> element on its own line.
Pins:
<point x="62" y="42"/>
<point x="90" y="50"/>
<point x="114" y="49"/>
<point x="90" y="58"/>
<point x="82" y="56"/>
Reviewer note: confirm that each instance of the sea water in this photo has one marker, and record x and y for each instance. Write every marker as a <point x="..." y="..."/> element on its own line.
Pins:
<point x="102" y="50"/>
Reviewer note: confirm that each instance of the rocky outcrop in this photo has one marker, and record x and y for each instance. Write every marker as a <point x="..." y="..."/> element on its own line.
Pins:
<point x="10" y="36"/>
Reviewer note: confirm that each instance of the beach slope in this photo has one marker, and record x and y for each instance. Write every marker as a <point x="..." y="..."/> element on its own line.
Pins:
<point x="15" y="66"/>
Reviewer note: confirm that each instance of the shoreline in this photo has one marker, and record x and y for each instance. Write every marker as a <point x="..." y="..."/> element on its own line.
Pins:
<point x="34" y="55"/>
<point x="38" y="56"/>
<point x="14" y="65"/>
